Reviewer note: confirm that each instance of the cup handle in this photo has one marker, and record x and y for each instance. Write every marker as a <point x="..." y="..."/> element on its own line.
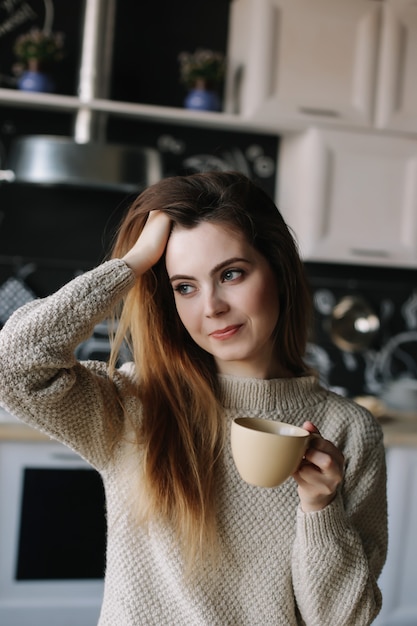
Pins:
<point x="309" y="439"/>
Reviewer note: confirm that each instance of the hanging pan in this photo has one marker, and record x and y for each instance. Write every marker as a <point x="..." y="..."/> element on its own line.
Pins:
<point x="353" y="324"/>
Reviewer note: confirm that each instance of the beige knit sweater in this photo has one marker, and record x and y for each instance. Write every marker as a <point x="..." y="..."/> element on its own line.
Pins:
<point x="278" y="565"/>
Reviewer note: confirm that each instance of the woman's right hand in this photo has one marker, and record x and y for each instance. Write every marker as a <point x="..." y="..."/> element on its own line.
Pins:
<point x="150" y="244"/>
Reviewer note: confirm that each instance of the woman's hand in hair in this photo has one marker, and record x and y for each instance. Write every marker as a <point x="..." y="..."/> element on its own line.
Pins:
<point x="320" y="473"/>
<point x="151" y="243"/>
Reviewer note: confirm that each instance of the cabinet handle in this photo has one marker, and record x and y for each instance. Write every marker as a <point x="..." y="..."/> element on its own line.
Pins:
<point x="371" y="253"/>
<point x="318" y="112"/>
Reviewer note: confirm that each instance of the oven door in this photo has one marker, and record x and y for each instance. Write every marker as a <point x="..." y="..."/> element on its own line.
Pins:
<point x="52" y="536"/>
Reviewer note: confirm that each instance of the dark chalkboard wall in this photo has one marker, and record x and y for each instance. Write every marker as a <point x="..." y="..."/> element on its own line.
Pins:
<point x="148" y="38"/>
<point x="20" y="16"/>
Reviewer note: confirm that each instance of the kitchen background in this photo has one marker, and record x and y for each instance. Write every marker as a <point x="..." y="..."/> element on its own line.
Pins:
<point x="50" y="233"/>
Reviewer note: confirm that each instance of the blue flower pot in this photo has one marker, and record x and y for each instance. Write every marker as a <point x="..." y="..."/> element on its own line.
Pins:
<point x="35" y="81"/>
<point x="202" y="100"/>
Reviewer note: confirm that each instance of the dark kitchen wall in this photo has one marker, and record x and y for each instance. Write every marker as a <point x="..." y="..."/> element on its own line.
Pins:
<point x="391" y="293"/>
<point x="148" y="38"/>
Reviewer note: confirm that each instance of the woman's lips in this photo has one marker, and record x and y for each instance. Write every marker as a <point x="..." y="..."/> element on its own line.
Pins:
<point x="225" y="333"/>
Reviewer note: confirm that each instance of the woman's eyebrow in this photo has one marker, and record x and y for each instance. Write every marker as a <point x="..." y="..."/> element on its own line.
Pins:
<point x="215" y="269"/>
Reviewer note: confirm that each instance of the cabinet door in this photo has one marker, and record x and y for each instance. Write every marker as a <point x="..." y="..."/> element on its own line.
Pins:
<point x="305" y="60"/>
<point x="351" y="197"/>
<point x="398" y="578"/>
<point x="396" y="103"/>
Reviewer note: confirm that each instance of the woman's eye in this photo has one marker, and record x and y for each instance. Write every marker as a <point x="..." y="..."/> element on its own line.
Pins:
<point x="184" y="289"/>
<point x="232" y="274"/>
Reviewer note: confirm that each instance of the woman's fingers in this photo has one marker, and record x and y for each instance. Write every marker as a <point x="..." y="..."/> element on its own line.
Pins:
<point x="151" y="243"/>
<point x="320" y="473"/>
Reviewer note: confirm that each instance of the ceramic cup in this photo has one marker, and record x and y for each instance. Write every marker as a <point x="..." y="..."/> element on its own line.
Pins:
<point x="267" y="452"/>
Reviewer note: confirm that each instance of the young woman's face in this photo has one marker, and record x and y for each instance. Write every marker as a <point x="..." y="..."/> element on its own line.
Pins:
<point x="227" y="298"/>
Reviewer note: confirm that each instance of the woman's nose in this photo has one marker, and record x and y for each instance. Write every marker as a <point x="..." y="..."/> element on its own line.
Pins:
<point x="215" y="304"/>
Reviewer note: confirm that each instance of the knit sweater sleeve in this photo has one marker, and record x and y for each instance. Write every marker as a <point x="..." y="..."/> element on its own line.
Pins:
<point x="42" y="383"/>
<point x="339" y="552"/>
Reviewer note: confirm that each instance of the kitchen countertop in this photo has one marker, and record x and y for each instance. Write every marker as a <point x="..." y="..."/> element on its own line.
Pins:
<point x="399" y="426"/>
<point x="400" y="429"/>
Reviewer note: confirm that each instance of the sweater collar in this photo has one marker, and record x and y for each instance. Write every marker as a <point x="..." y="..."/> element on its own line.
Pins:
<point x="265" y="395"/>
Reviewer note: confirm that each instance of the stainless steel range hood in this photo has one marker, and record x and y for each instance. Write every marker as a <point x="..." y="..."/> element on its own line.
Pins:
<point x="86" y="159"/>
<point x="54" y="160"/>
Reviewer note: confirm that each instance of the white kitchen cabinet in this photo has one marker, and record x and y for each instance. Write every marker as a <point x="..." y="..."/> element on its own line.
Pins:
<point x="398" y="579"/>
<point x="396" y="102"/>
<point x="350" y="197"/>
<point x="303" y="60"/>
<point x="343" y="62"/>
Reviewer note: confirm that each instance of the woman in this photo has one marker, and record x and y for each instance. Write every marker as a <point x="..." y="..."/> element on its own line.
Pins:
<point x="210" y="293"/>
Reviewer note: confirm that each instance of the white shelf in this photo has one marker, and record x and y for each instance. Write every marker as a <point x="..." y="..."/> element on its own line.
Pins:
<point x="38" y="100"/>
<point x="169" y="115"/>
<point x="152" y="113"/>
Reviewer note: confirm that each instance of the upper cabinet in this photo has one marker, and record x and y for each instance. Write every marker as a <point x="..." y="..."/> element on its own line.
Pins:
<point x="350" y="197"/>
<point x="347" y="63"/>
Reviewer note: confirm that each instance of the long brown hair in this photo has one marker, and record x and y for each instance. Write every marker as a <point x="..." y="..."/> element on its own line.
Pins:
<point x="181" y="430"/>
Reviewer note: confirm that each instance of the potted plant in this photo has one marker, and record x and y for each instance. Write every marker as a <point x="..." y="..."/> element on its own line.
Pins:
<point x="37" y="52"/>
<point x="202" y="72"/>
